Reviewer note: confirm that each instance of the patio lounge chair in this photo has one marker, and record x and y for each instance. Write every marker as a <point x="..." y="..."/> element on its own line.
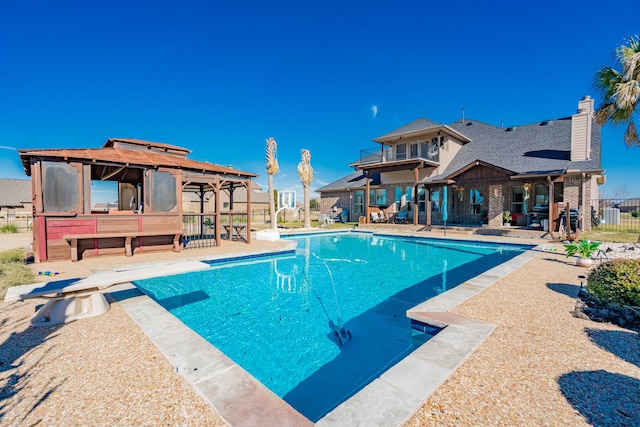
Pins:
<point x="383" y="217"/>
<point x="375" y="218"/>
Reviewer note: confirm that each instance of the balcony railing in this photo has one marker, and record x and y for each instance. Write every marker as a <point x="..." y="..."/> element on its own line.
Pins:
<point x="417" y="150"/>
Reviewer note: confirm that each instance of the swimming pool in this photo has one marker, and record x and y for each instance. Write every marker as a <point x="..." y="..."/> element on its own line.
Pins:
<point x="277" y="317"/>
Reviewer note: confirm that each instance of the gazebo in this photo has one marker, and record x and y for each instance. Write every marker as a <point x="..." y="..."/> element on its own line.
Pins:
<point x="151" y="178"/>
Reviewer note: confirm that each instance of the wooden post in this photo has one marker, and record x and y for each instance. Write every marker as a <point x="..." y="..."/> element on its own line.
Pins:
<point x="248" y="185"/>
<point x="366" y="198"/>
<point x="218" y="189"/>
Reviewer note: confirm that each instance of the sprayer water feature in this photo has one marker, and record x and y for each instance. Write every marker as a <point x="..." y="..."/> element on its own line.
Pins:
<point x="341" y="334"/>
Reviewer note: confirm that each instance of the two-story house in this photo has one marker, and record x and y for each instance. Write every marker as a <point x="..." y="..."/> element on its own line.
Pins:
<point x="486" y="170"/>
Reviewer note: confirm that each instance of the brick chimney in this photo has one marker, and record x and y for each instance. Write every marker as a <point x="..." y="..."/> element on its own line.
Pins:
<point x="581" y="123"/>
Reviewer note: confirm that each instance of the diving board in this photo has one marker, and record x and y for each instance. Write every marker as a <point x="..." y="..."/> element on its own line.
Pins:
<point x="75" y="299"/>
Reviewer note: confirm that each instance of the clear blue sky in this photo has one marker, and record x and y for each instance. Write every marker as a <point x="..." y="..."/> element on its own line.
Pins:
<point x="219" y="77"/>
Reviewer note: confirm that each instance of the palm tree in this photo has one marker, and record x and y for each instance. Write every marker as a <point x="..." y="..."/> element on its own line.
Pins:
<point x="272" y="169"/>
<point x="305" y="172"/>
<point x="621" y="91"/>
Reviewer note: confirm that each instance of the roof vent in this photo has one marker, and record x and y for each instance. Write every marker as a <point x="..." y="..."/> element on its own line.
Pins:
<point x="471" y="123"/>
<point x="546" y="122"/>
<point x="511" y="129"/>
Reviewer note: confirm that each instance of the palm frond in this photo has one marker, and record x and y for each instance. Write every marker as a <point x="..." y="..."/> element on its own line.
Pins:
<point x="631" y="135"/>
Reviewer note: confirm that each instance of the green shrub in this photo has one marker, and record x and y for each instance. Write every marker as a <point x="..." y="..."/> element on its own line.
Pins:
<point x="616" y="282"/>
<point x="9" y="228"/>
<point x="635" y="213"/>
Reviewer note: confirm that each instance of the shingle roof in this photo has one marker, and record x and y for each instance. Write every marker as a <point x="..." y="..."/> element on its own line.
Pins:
<point x="538" y="148"/>
<point x="415" y="126"/>
<point x="532" y="149"/>
<point x="354" y="180"/>
<point x="15" y="192"/>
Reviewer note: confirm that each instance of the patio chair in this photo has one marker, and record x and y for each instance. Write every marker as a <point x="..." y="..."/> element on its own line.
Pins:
<point x="401" y="217"/>
<point x="375" y="218"/>
<point x="383" y="217"/>
<point x="325" y="219"/>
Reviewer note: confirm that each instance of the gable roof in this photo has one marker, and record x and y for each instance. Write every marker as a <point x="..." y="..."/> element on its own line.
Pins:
<point x="15" y="192"/>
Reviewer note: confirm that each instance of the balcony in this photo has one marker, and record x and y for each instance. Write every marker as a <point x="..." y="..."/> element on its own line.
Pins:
<point x="400" y="156"/>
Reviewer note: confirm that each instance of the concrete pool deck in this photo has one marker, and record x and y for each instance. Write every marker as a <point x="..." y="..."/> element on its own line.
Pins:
<point x="383" y="404"/>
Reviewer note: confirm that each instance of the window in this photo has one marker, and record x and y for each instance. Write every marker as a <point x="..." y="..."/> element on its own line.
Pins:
<point x="435" y="201"/>
<point x="163" y="189"/>
<point x="408" y="197"/>
<point x="225" y="205"/>
<point x="558" y="192"/>
<point x="398" y="198"/>
<point x="60" y="187"/>
<point x="401" y="151"/>
<point x="475" y="200"/>
<point x="517" y="199"/>
<point x="358" y="203"/>
<point x="542" y="195"/>
<point x="378" y="197"/>
<point x="422" y="202"/>
<point x="414" y="150"/>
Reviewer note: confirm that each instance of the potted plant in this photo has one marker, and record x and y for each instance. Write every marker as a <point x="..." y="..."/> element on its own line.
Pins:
<point x="582" y="251"/>
<point x="506" y="218"/>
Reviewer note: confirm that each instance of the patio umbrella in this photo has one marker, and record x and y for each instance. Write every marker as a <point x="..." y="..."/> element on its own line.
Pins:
<point x="445" y="207"/>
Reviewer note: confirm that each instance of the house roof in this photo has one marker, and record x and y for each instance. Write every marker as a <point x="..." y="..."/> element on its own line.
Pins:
<point x="15" y="192"/>
<point x="541" y="148"/>
<point x="418" y="126"/>
<point x="355" y="180"/>
<point x="131" y="152"/>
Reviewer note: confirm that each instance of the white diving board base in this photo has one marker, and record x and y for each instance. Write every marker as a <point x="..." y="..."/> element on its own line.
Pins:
<point x="65" y="310"/>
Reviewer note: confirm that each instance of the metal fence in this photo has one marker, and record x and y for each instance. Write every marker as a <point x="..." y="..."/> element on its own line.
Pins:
<point x="21" y="222"/>
<point x="200" y="229"/>
<point x="616" y="215"/>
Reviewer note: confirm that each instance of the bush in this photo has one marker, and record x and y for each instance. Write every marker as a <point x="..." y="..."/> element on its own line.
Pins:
<point x="9" y="228"/>
<point x="13" y="271"/>
<point x="12" y="255"/>
<point x="635" y="213"/>
<point x="616" y="282"/>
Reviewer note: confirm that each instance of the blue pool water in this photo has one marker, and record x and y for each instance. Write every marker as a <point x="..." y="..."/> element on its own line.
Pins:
<point x="317" y="325"/>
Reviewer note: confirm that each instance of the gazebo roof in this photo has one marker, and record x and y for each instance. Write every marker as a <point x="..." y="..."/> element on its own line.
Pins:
<point x="131" y="153"/>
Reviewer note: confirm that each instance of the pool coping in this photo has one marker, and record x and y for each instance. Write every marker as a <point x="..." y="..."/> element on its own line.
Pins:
<point x="390" y="399"/>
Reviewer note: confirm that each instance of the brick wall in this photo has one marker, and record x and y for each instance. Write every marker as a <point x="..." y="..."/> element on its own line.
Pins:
<point x="495" y="205"/>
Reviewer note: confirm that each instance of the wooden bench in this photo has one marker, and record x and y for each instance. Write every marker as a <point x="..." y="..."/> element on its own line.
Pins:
<point x="128" y="236"/>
